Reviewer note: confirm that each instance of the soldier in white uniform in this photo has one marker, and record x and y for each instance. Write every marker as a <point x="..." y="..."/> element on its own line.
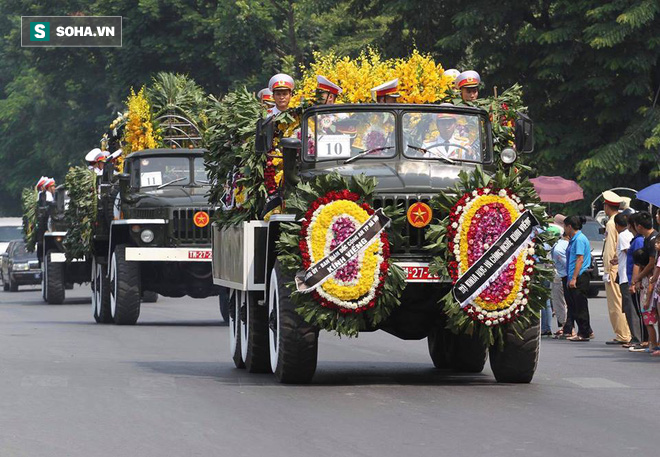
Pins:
<point x="387" y="92"/>
<point x="95" y="159"/>
<point x="448" y="143"/>
<point x="282" y="86"/>
<point x="49" y="189"/>
<point x="326" y="91"/>
<point x="468" y="83"/>
<point x="265" y="96"/>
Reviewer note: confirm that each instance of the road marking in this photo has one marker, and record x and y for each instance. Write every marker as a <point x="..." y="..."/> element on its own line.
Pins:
<point x="595" y="383"/>
<point x="45" y="381"/>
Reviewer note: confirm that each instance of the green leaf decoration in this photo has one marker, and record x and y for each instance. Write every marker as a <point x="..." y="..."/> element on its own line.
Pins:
<point x="29" y="203"/>
<point x="80" y="214"/>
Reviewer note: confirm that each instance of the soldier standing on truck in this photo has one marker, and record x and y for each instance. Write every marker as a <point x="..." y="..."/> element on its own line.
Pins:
<point x="282" y="86"/>
<point x="468" y="83"/>
<point x="265" y="97"/>
<point x="95" y="159"/>
<point x="326" y="91"/>
<point x="387" y="92"/>
<point x="49" y="187"/>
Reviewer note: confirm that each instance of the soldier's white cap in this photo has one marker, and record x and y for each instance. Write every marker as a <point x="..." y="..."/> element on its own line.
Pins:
<point x="41" y="182"/>
<point x="49" y="182"/>
<point x="265" y="95"/>
<point x="281" y="81"/>
<point x="323" y="83"/>
<point x="453" y="73"/>
<point x="612" y="198"/>
<point x="94" y="155"/>
<point x="390" y="88"/>
<point x="469" y="78"/>
<point x="114" y="155"/>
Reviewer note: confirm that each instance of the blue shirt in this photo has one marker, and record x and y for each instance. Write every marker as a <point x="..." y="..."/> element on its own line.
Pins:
<point x="579" y="245"/>
<point x="559" y="257"/>
<point x="636" y="243"/>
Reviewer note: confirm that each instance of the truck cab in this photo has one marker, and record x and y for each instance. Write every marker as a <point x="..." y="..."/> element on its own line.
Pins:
<point x="154" y="235"/>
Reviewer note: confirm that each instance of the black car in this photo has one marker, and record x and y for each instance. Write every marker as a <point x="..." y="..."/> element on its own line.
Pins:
<point x="19" y="267"/>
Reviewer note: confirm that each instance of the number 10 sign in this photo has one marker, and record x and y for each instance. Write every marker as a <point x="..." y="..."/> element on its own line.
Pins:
<point x="334" y="146"/>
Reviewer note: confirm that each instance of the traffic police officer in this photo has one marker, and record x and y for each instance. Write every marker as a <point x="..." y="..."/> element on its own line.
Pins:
<point x="612" y="290"/>
<point x="282" y="86"/>
<point x="468" y="83"/>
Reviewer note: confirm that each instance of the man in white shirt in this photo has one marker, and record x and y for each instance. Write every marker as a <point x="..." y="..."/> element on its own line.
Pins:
<point x="621" y="260"/>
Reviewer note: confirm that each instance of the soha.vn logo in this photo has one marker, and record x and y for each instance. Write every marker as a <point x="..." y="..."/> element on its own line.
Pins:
<point x="39" y="31"/>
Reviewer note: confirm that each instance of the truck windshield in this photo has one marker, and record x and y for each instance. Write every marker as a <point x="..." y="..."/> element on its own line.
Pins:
<point x="443" y="136"/>
<point x="351" y="135"/>
<point x="200" y="171"/>
<point x="164" y="171"/>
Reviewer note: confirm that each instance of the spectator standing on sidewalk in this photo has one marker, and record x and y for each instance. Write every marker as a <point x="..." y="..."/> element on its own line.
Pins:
<point x="559" y="281"/>
<point x="612" y="290"/>
<point x="578" y="260"/>
<point x="621" y="261"/>
<point x="633" y="270"/>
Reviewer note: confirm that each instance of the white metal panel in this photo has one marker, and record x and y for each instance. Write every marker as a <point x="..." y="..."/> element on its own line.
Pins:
<point x="168" y="254"/>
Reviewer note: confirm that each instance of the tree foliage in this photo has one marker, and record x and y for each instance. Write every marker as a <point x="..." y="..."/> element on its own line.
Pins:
<point x="589" y="70"/>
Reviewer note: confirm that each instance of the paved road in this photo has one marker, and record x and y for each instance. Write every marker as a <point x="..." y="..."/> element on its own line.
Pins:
<point x="167" y="387"/>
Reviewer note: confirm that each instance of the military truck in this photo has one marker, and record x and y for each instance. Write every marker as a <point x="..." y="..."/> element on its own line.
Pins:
<point x="266" y="332"/>
<point x="57" y="273"/>
<point x="153" y="233"/>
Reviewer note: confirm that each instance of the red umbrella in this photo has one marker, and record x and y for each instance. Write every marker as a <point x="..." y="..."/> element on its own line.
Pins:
<point x="555" y="189"/>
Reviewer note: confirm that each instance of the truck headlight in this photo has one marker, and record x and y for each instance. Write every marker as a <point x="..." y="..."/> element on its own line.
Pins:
<point x="147" y="236"/>
<point x="20" y="267"/>
<point x="508" y="156"/>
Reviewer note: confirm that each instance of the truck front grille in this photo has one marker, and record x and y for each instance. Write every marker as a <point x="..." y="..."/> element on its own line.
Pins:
<point x="414" y="238"/>
<point x="184" y="229"/>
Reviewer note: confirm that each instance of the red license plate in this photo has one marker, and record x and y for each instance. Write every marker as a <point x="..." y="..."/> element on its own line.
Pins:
<point x="419" y="273"/>
<point x="202" y="255"/>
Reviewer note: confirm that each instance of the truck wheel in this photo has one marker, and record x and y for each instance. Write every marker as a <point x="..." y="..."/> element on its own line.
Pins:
<point x="13" y="287"/>
<point x="468" y="354"/>
<point x="235" y="299"/>
<point x="516" y="362"/>
<point x="254" y="334"/>
<point x="293" y="342"/>
<point x="54" y="273"/>
<point x="124" y="288"/>
<point x="100" y="293"/>
<point x="149" y="297"/>
<point x="440" y="344"/>
<point x="223" y="303"/>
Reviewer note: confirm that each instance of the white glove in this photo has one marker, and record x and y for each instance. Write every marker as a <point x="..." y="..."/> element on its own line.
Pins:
<point x="606" y="277"/>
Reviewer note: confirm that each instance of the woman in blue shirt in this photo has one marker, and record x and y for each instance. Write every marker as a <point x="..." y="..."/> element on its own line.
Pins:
<point x="578" y="260"/>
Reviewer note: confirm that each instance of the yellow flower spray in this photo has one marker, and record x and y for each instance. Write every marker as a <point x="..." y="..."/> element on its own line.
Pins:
<point x="421" y="79"/>
<point x="139" y="133"/>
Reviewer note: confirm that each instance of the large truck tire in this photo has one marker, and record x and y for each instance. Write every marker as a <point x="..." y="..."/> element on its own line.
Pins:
<point x="293" y="342"/>
<point x="124" y="288"/>
<point x="54" y="280"/>
<point x="516" y="362"/>
<point x="223" y="303"/>
<point x="469" y="354"/>
<point x="440" y="343"/>
<point x="100" y="293"/>
<point x="149" y="297"/>
<point x="235" y="300"/>
<point x="462" y="353"/>
<point x="255" y="351"/>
